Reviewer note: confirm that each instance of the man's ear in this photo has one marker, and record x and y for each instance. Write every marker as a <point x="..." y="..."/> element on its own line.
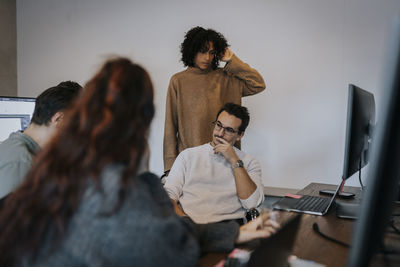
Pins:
<point x="57" y="118"/>
<point x="239" y="137"/>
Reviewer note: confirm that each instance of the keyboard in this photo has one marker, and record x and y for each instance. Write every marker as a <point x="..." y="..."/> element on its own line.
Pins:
<point x="312" y="203"/>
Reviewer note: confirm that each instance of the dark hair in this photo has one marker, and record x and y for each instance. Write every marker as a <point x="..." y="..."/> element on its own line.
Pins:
<point x="70" y="84"/>
<point x="108" y="124"/>
<point x="196" y="40"/>
<point x="53" y="100"/>
<point x="239" y="112"/>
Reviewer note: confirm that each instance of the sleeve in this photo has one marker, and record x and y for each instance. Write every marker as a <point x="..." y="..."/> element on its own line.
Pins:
<point x="253" y="169"/>
<point x="167" y="239"/>
<point x="176" y="178"/>
<point x="170" y="144"/>
<point x="252" y="81"/>
<point x="12" y="175"/>
<point x="215" y="237"/>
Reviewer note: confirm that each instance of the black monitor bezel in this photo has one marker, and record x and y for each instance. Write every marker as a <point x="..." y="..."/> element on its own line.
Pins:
<point x="359" y="124"/>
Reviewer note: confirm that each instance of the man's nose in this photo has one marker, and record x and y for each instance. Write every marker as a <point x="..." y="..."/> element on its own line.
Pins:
<point x="221" y="131"/>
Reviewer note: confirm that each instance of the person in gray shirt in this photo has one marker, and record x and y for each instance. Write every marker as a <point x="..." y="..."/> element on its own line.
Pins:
<point x="89" y="201"/>
<point x="19" y="149"/>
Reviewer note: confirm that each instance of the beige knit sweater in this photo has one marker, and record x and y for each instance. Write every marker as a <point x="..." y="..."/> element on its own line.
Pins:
<point x="194" y="97"/>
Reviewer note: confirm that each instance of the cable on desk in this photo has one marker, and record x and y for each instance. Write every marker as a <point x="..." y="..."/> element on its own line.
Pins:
<point x="359" y="174"/>
<point x="316" y="229"/>
<point x="382" y="248"/>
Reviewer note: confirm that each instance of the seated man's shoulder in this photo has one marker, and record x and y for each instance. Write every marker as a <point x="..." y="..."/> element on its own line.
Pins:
<point x="245" y="157"/>
<point x="191" y="154"/>
<point x="196" y="149"/>
<point x="14" y="149"/>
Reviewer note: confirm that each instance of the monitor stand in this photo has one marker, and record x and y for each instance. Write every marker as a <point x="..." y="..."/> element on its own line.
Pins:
<point x="345" y="195"/>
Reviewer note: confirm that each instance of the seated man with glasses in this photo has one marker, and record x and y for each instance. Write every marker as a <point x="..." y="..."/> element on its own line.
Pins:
<point x="216" y="181"/>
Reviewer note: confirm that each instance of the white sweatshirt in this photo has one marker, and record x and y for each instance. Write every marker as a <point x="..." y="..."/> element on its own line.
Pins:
<point x="204" y="184"/>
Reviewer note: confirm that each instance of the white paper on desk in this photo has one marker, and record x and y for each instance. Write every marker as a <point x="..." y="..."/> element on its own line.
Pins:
<point x="296" y="262"/>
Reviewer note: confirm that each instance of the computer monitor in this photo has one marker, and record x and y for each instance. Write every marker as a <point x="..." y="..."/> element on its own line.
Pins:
<point x="359" y="126"/>
<point x="360" y="122"/>
<point x="384" y="171"/>
<point x="15" y="114"/>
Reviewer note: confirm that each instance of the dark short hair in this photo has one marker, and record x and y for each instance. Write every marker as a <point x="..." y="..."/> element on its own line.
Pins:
<point x="196" y="40"/>
<point x="239" y="112"/>
<point x="53" y="100"/>
<point x="70" y="84"/>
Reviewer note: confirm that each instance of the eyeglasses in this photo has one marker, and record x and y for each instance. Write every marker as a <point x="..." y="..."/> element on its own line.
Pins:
<point x="228" y="130"/>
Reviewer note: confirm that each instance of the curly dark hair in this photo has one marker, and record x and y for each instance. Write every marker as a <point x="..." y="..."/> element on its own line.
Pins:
<point x="196" y="40"/>
<point x="108" y="124"/>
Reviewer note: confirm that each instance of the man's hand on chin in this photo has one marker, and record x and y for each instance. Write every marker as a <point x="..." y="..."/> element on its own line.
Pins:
<point x="226" y="149"/>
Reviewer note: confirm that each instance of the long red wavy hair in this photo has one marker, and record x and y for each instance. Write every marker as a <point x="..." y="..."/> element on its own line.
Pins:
<point x="108" y="124"/>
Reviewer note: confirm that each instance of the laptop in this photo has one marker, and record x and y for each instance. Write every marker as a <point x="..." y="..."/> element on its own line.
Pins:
<point x="308" y="204"/>
<point x="276" y="249"/>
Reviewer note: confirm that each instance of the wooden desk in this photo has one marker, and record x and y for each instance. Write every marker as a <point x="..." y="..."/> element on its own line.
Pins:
<point x="309" y="245"/>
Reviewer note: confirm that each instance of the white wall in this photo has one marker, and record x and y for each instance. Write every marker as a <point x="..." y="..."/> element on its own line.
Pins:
<point x="307" y="51"/>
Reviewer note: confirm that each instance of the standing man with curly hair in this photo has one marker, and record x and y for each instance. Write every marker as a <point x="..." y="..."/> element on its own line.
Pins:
<point x="197" y="93"/>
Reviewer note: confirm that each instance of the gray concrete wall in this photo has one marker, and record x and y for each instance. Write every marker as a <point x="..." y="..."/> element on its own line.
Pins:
<point x="8" y="48"/>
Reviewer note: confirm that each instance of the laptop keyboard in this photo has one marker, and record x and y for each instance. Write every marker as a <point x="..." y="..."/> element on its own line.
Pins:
<point x="312" y="203"/>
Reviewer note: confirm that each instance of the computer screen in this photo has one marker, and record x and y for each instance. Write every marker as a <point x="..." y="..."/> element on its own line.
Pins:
<point x="384" y="170"/>
<point x="359" y="130"/>
<point x="15" y="114"/>
<point x="360" y="122"/>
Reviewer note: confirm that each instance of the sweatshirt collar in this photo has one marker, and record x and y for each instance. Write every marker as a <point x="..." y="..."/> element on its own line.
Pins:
<point x="198" y="70"/>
